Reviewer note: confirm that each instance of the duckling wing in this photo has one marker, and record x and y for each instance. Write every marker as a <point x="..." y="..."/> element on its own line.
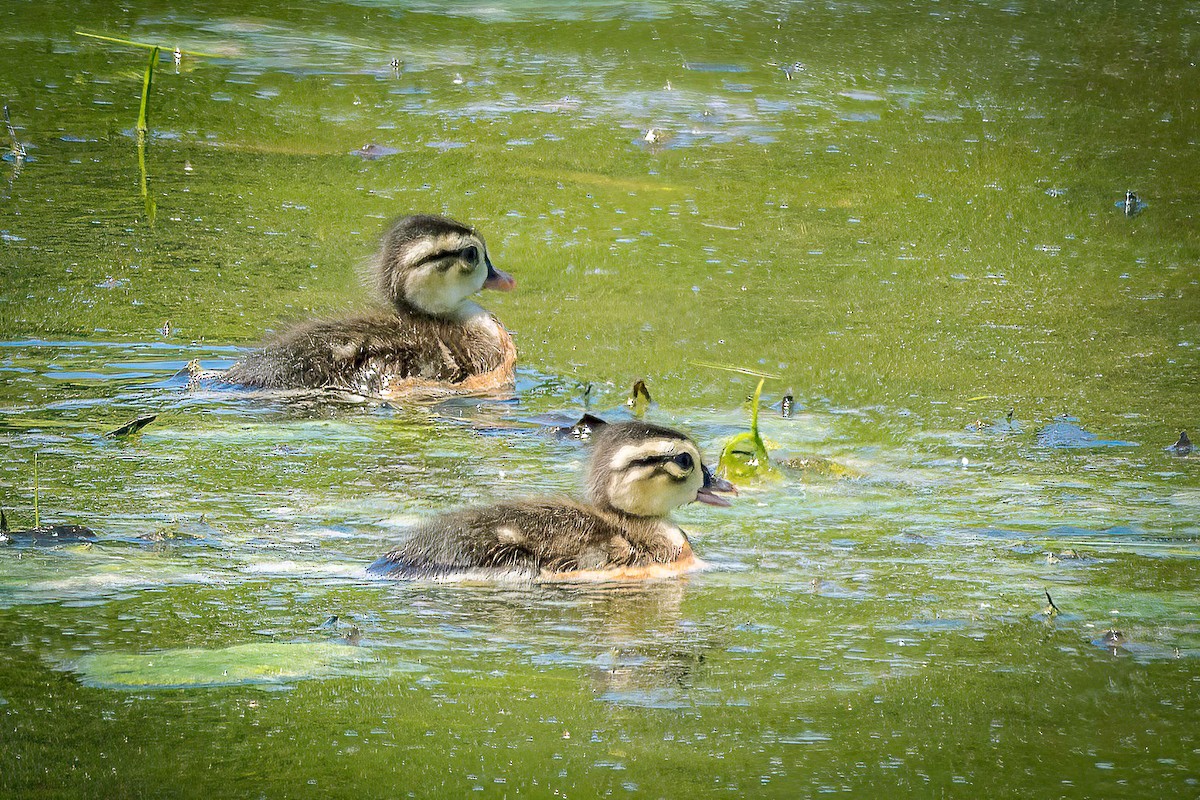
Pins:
<point x="515" y="540"/>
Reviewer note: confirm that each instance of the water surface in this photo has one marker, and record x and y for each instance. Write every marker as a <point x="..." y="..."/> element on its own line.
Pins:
<point x="907" y="212"/>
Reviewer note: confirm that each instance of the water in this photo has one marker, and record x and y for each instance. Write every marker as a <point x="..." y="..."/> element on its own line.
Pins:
<point x="906" y="211"/>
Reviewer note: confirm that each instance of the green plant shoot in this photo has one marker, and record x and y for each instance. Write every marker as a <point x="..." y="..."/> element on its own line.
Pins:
<point x="147" y="80"/>
<point x="745" y="455"/>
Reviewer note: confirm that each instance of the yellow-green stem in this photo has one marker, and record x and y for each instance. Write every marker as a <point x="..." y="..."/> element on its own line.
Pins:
<point x="146" y="82"/>
<point x="131" y="43"/>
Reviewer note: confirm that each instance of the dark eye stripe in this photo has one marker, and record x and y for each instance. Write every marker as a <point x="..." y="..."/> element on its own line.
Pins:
<point x="682" y="460"/>
<point x="439" y="255"/>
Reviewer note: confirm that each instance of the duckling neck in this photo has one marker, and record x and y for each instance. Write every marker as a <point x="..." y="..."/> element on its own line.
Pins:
<point x="464" y="312"/>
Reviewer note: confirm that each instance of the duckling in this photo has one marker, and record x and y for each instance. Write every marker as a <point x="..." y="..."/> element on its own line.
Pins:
<point x="637" y="474"/>
<point x="433" y="336"/>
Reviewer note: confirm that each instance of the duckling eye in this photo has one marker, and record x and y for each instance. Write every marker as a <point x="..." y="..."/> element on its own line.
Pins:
<point x="684" y="461"/>
<point x="471" y="254"/>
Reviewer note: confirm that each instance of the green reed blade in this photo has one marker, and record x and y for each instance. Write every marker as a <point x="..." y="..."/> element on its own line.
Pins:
<point x="144" y="45"/>
<point x="146" y="83"/>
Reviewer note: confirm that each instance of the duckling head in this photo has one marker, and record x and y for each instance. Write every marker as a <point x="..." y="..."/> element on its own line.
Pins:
<point x="434" y="264"/>
<point x="646" y="470"/>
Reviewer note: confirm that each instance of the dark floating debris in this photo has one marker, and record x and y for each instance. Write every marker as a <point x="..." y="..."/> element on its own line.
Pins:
<point x="580" y="430"/>
<point x="41" y="534"/>
<point x="45" y="535"/>
<point x="132" y="427"/>
<point x="1132" y="205"/>
<point x="1182" y="447"/>
<point x="373" y="152"/>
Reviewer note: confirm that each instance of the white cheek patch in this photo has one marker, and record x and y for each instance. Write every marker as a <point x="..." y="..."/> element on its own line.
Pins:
<point x="442" y="292"/>
<point x="647" y="492"/>
<point x="632" y="491"/>
<point x="426" y="288"/>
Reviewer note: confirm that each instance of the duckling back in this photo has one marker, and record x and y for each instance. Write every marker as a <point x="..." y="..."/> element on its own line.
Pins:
<point x="381" y="355"/>
<point x="525" y="541"/>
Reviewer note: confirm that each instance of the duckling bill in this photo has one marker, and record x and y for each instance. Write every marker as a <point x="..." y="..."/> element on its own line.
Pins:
<point x="637" y="474"/>
<point x="432" y="335"/>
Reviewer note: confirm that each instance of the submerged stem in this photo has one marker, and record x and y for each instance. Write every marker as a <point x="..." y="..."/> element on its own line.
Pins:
<point x="151" y="206"/>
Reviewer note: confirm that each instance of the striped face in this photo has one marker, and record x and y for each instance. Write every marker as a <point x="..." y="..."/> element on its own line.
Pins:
<point x="445" y="271"/>
<point x="647" y="470"/>
<point x="436" y="265"/>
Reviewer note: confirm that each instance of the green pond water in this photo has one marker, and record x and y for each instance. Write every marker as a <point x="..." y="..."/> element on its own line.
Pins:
<point x="908" y="212"/>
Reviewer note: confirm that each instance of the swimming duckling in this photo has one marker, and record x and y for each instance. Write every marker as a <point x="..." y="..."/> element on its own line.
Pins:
<point x="637" y="474"/>
<point x="433" y="336"/>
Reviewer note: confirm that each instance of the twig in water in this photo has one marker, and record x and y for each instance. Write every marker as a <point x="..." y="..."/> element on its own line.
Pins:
<point x="132" y="426"/>
<point x="1051" y="610"/>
